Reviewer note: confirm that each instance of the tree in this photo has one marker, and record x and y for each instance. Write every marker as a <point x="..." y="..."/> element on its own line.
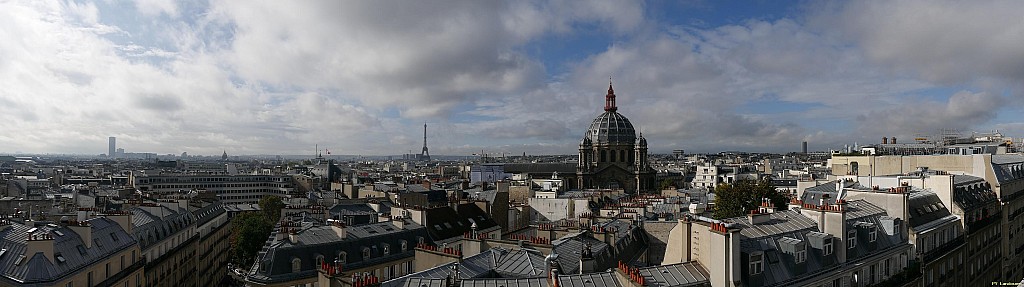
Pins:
<point x="668" y="182"/>
<point x="739" y="198"/>
<point x="271" y="207"/>
<point x="249" y="232"/>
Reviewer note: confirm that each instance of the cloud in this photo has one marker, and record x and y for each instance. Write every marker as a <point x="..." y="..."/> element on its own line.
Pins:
<point x="963" y="111"/>
<point x="947" y="42"/>
<point x="361" y="77"/>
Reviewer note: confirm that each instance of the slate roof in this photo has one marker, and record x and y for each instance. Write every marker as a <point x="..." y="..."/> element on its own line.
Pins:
<point x="680" y="274"/>
<point x="477" y="266"/>
<point x="970" y="192"/>
<point x="274" y="263"/>
<point x="925" y="207"/>
<point x="590" y="279"/>
<point x="504" y="282"/>
<point x="150" y="229"/>
<point x="108" y="239"/>
<point x="790" y="227"/>
<point x="444" y="223"/>
<point x="629" y="243"/>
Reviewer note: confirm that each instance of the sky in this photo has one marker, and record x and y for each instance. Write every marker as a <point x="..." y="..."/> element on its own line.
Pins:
<point x="362" y="77"/>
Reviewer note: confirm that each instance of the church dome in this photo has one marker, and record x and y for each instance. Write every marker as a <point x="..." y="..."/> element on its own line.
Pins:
<point x="611" y="127"/>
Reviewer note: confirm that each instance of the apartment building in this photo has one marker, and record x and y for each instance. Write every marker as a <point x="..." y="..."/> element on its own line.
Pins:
<point x="230" y="189"/>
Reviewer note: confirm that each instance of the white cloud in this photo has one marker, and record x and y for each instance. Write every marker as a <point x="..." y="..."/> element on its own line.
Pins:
<point x="157" y="7"/>
<point x="361" y="77"/>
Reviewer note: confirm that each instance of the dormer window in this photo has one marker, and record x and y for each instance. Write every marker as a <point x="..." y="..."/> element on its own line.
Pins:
<point x="342" y="256"/>
<point x="756" y="263"/>
<point x="801" y="254"/>
<point x="387" y="248"/>
<point x="296" y="265"/>
<point x="405" y="245"/>
<point x="872" y="235"/>
<point x="826" y="248"/>
<point x="366" y="252"/>
<point x="852" y="238"/>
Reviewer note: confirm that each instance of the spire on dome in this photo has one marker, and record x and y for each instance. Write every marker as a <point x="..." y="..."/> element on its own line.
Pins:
<point x="609" y="99"/>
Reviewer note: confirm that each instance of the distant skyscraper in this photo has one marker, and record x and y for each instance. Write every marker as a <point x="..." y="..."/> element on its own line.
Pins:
<point x="804" y="148"/>
<point x="111" y="146"/>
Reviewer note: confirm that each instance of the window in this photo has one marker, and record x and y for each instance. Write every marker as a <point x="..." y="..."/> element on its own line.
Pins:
<point x="801" y="254"/>
<point x="319" y="259"/>
<point x="896" y="228"/>
<point x="826" y="248"/>
<point x="386" y="248"/>
<point x="342" y="256"/>
<point x="405" y="245"/>
<point x="872" y="234"/>
<point x="756" y="263"/>
<point x="366" y="252"/>
<point x="852" y="238"/>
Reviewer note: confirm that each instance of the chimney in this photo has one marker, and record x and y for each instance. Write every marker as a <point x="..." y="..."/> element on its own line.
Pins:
<point x="39" y="242"/>
<point x="399" y="222"/>
<point x="885" y="140"/>
<point x="587" y="261"/>
<point x="84" y="230"/>
<point x="283" y="232"/>
<point x="756" y="217"/>
<point x="123" y="218"/>
<point x="894" y="140"/>
<point x="338" y="227"/>
<point x="293" y="235"/>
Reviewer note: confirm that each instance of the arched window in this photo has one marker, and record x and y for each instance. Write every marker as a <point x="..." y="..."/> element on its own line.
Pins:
<point x="387" y="248"/>
<point x="319" y="259"/>
<point x="622" y="155"/>
<point x="342" y="256"/>
<point x="366" y="253"/>
<point x="611" y="157"/>
<point x="296" y="265"/>
<point x="604" y="155"/>
<point x="405" y="245"/>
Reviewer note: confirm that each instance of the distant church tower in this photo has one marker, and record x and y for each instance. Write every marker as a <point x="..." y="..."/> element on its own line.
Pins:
<point x="425" y="155"/>
<point x="611" y="156"/>
<point x="224" y="156"/>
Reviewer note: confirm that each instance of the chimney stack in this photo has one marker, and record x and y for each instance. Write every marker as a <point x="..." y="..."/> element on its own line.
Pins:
<point x="39" y="242"/>
<point x="885" y="140"/>
<point x="83" y="229"/>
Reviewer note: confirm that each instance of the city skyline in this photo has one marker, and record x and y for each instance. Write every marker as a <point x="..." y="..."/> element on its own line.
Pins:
<point x="361" y="78"/>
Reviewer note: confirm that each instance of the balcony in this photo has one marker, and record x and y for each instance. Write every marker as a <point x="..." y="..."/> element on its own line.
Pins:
<point x="981" y="224"/>
<point x="943" y="250"/>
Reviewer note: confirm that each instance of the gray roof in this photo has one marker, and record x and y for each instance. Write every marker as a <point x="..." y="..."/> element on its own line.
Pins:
<point x="611" y="128"/>
<point x="504" y="282"/>
<point x="970" y="192"/>
<point x="150" y="229"/>
<point x="108" y="239"/>
<point x="681" y="274"/>
<point x="925" y="207"/>
<point x="588" y="280"/>
<point x="790" y="227"/>
<point x="477" y="266"/>
<point x="274" y="263"/>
